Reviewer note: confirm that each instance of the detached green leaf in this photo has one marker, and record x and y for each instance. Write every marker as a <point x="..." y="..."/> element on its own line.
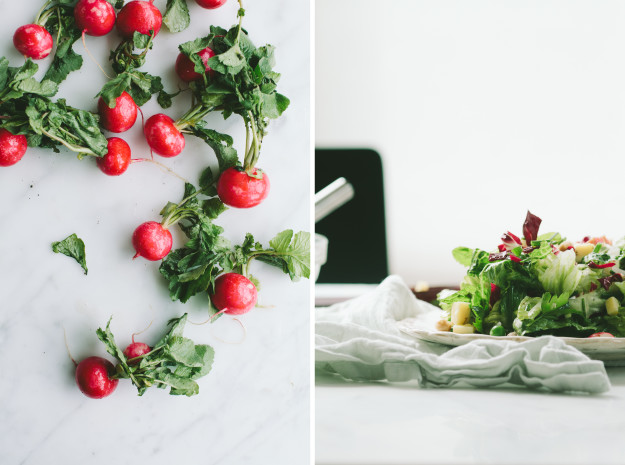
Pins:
<point x="176" y="16"/>
<point x="73" y="247"/>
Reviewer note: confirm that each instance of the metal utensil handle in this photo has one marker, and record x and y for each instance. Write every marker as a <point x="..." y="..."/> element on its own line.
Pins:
<point x="332" y="197"/>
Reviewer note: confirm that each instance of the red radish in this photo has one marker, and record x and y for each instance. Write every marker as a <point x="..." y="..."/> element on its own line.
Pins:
<point x="210" y="4"/>
<point x="120" y="118"/>
<point x="185" y="68"/>
<point x="151" y="241"/>
<point x="238" y="189"/>
<point x="139" y="16"/>
<point x="33" y="41"/>
<point x="93" y="376"/>
<point x="602" y="334"/>
<point x="12" y="148"/>
<point x="234" y="294"/>
<point x="117" y="159"/>
<point x="163" y="136"/>
<point x="136" y="349"/>
<point x="94" y="17"/>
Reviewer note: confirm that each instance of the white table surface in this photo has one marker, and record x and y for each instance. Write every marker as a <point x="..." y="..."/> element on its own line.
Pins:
<point x="380" y="423"/>
<point x="376" y="424"/>
<point x="253" y="407"/>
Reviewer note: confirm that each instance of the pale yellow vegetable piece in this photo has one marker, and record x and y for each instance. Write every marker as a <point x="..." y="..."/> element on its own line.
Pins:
<point x="611" y="306"/>
<point x="463" y="329"/>
<point x="581" y="250"/>
<point x="460" y="312"/>
<point x="442" y="325"/>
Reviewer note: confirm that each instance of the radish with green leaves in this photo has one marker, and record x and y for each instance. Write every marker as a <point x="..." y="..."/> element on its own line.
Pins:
<point x="163" y="136"/>
<point x="94" y="17"/>
<point x="121" y="117"/>
<point x="174" y="363"/>
<point x="151" y="241"/>
<point x="139" y="16"/>
<point x="241" y="189"/>
<point x="33" y="41"/>
<point x="94" y="377"/>
<point x="117" y="158"/>
<point x="185" y="68"/>
<point x="12" y="147"/>
<point x="241" y="82"/>
<point x="234" y="294"/>
<point x="135" y="350"/>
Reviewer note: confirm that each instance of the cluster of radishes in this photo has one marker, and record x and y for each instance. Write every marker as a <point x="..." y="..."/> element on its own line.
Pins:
<point x="94" y="375"/>
<point x="233" y="293"/>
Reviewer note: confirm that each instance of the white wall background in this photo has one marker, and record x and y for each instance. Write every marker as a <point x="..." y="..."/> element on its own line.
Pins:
<point x="480" y="110"/>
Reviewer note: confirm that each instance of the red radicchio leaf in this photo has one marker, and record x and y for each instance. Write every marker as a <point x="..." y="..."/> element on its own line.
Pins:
<point x="586" y="239"/>
<point x="530" y="227"/>
<point x="592" y="264"/>
<point x="608" y="280"/>
<point x="502" y="247"/>
<point x="510" y="241"/>
<point x="593" y="286"/>
<point x="514" y="258"/>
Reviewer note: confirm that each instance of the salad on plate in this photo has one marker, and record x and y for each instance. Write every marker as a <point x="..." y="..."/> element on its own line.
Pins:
<point x="539" y="284"/>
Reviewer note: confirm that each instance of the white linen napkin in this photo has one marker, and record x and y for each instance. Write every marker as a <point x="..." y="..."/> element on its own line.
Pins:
<point x="359" y="340"/>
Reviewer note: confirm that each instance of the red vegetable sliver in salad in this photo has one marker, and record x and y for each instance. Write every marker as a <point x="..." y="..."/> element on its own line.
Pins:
<point x="514" y="258"/>
<point x="592" y="264"/>
<point x="530" y="227"/>
<point x="495" y="293"/>
<point x="502" y="247"/>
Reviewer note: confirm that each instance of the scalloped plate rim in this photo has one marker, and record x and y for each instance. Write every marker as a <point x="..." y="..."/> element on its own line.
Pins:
<point x="601" y="348"/>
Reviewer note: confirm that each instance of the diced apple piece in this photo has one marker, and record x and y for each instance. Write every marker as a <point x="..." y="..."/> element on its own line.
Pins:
<point x="460" y="312"/>
<point x="611" y="306"/>
<point x="463" y="329"/>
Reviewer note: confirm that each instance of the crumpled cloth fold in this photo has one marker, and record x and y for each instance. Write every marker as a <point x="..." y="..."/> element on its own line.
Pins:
<point x="359" y="340"/>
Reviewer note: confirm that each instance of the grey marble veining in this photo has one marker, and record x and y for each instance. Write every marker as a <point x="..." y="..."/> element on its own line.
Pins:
<point x="253" y="407"/>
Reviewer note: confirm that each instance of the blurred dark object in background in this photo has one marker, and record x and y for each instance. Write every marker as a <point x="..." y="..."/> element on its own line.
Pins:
<point x="357" y="231"/>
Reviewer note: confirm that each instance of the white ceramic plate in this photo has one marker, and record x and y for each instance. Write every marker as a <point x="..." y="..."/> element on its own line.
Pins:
<point x="607" y="349"/>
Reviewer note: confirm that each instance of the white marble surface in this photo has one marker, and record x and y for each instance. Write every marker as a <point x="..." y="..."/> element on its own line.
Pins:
<point x="379" y="424"/>
<point x="253" y="407"/>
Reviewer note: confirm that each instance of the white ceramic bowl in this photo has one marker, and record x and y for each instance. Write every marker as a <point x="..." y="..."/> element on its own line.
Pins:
<point x="321" y="253"/>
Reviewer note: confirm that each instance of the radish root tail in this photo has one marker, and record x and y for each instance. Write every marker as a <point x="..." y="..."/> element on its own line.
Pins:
<point x="235" y="342"/>
<point x="132" y="338"/>
<point x="67" y="347"/>
<point x="92" y="57"/>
